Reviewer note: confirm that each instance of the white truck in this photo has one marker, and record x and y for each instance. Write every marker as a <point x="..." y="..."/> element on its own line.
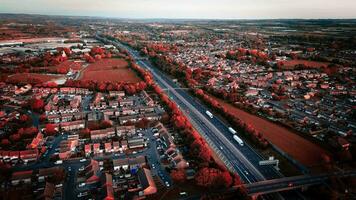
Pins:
<point x="209" y="114"/>
<point x="58" y="162"/>
<point x="232" y="131"/>
<point x="238" y="140"/>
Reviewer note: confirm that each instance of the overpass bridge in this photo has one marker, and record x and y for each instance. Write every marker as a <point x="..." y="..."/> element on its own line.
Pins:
<point x="291" y="183"/>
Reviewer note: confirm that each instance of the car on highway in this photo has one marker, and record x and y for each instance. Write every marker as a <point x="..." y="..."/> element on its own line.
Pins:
<point x="167" y="184"/>
<point x="82" y="194"/>
<point x="81" y="184"/>
<point x="58" y="162"/>
<point x="82" y="160"/>
<point x="183" y="194"/>
<point x="290" y="184"/>
<point x="81" y="168"/>
<point x="221" y="148"/>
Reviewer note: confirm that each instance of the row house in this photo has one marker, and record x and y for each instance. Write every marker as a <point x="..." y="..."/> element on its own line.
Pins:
<point x="147" y="99"/>
<point x="116" y="93"/>
<point x="116" y="146"/>
<point x="45" y="173"/>
<point x="135" y="118"/>
<point x="72" y="90"/>
<point x="72" y="116"/>
<point x="146" y="109"/>
<point x="56" y="118"/>
<point x="88" y="149"/>
<point x="108" y="147"/>
<point x="102" y="134"/>
<point x="136" y="142"/>
<point x="29" y="155"/>
<point x="25" y="155"/>
<point x="9" y="155"/>
<point x="73" y="125"/>
<point x="96" y="148"/>
<point x="21" y="177"/>
<point x="126" y="163"/>
<point x="126" y="102"/>
<point x="125" y="130"/>
<point x="113" y="104"/>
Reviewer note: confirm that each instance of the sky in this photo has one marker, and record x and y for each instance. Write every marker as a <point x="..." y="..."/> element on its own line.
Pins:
<point x="196" y="9"/>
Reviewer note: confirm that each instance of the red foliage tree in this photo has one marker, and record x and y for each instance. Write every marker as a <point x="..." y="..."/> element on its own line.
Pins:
<point x="178" y="176"/>
<point x="105" y="124"/>
<point x="5" y="142"/>
<point x="84" y="133"/>
<point x="31" y="131"/>
<point x="51" y="129"/>
<point x="24" y="118"/>
<point x="207" y="177"/>
<point x="96" y="50"/>
<point x="37" y="104"/>
<point x="15" y="137"/>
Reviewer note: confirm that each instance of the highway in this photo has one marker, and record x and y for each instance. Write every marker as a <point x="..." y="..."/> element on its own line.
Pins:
<point x="240" y="159"/>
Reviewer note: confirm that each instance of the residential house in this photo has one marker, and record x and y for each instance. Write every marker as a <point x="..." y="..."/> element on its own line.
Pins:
<point x="21" y="177"/>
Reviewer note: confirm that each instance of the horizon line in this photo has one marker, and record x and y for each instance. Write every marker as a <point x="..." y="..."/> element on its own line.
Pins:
<point x="167" y="18"/>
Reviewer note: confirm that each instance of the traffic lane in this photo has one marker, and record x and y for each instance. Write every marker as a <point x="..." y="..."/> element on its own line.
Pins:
<point x="251" y="168"/>
<point x="162" y="77"/>
<point x="244" y="173"/>
<point x="248" y="151"/>
<point x="239" y="167"/>
<point x="191" y="100"/>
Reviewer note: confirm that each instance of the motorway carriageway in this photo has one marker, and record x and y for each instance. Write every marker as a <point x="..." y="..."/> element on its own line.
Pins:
<point x="241" y="159"/>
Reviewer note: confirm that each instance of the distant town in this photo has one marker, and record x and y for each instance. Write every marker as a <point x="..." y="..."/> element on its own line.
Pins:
<point x="99" y="108"/>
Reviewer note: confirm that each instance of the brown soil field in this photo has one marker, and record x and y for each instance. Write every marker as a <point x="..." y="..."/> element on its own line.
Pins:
<point x="301" y="149"/>
<point x="26" y="77"/>
<point x="290" y="64"/>
<point x="116" y="70"/>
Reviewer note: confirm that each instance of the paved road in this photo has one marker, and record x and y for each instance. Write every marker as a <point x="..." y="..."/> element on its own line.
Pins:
<point x="215" y="131"/>
<point x="240" y="159"/>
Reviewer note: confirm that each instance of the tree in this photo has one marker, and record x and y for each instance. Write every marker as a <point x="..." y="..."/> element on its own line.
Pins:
<point x="37" y="104"/>
<point x="105" y="124"/>
<point x="96" y="50"/>
<point x="213" y="178"/>
<point x="178" y="176"/>
<point x="51" y="129"/>
<point x="24" y="118"/>
<point x="30" y="132"/>
<point x="5" y="142"/>
<point x="15" y="137"/>
<point x="84" y="133"/>
<point x="143" y="123"/>
<point x="225" y="179"/>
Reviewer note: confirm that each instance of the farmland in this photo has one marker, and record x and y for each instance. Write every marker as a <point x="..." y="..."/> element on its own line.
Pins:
<point x="290" y="64"/>
<point x="115" y="70"/>
<point x="32" y="78"/>
<point x="296" y="146"/>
